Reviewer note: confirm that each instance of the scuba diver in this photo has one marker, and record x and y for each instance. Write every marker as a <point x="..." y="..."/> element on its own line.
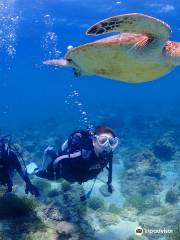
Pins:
<point x="9" y="162"/>
<point x="81" y="158"/>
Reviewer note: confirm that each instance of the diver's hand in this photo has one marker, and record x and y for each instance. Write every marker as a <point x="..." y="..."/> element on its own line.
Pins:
<point x="30" y="188"/>
<point x="110" y="188"/>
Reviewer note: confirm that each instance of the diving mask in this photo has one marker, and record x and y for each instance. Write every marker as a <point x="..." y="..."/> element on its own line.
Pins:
<point x="105" y="141"/>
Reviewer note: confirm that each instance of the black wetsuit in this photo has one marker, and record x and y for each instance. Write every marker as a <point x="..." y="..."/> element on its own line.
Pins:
<point x="78" y="163"/>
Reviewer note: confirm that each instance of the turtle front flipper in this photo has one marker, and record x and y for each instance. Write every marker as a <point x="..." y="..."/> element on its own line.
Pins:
<point x="57" y="62"/>
<point x="64" y="63"/>
<point x="132" y="23"/>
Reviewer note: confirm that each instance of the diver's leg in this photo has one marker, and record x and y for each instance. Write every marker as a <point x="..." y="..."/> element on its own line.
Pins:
<point x="48" y="156"/>
<point x="49" y="175"/>
<point x="47" y="171"/>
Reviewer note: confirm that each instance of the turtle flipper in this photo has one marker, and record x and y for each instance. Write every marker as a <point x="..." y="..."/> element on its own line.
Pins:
<point x="57" y="62"/>
<point x="173" y="49"/>
<point x="134" y="23"/>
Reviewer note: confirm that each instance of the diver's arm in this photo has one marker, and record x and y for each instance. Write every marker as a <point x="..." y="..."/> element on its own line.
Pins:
<point x="66" y="156"/>
<point x="16" y="164"/>
<point x="23" y="173"/>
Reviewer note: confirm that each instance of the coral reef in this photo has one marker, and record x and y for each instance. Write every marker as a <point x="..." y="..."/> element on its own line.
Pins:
<point x="106" y="218"/>
<point x="172" y="197"/>
<point x="164" y="147"/>
<point x="96" y="203"/>
<point x="142" y="175"/>
<point x="141" y="203"/>
<point x="176" y="233"/>
<point x="114" y="209"/>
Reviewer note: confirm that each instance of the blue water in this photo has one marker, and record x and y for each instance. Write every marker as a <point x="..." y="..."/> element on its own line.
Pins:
<point x="31" y="92"/>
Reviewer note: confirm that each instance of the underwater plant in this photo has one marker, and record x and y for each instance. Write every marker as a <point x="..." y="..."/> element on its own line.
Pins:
<point x="53" y="193"/>
<point x="171" y="197"/>
<point x="65" y="186"/>
<point x="96" y="203"/>
<point x="12" y="206"/>
<point x="80" y="209"/>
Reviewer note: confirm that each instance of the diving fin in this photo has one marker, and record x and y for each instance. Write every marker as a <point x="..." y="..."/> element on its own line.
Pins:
<point x="87" y="195"/>
<point x="31" y="167"/>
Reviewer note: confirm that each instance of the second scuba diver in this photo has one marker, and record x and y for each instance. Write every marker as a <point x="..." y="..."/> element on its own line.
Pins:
<point x="9" y="162"/>
<point x="82" y="157"/>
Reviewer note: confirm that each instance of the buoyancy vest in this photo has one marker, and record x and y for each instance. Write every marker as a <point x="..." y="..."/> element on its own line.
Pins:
<point x="80" y="140"/>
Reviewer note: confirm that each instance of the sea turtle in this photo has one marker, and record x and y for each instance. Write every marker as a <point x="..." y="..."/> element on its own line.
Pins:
<point x="140" y="53"/>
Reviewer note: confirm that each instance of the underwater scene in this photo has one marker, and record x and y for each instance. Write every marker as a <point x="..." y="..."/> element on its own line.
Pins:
<point x="89" y="120"/>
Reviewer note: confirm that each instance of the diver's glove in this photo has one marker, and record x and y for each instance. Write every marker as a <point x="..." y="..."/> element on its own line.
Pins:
<point x="110" y="188"/>
<point x="30" y="188"/>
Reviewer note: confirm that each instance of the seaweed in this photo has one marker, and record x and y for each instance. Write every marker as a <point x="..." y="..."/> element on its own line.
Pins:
<point x="12" y="206"/>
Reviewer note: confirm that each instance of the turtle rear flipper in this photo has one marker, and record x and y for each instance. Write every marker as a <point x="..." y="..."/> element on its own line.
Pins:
<point x="132" y="23"/>
<point x="173" y="49"/>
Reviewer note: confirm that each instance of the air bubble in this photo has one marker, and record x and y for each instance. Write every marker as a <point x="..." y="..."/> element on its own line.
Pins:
<point x="69" y="47"/>
<point x="48" y="20"/>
